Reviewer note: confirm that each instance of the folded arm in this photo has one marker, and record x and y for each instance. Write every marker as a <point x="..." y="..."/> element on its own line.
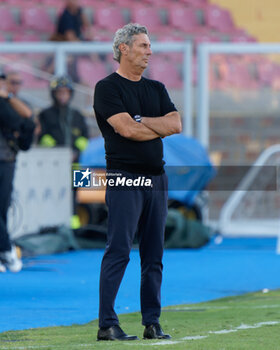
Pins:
<point x="124" y="125"/>
<point x="167" y="125"/>
<point x="9" y="118"/>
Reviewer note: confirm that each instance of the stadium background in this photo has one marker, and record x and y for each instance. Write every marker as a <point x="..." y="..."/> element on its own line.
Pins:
<point x="244" y="88"/>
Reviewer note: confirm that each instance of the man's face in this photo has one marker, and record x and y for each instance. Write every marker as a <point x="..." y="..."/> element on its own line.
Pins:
<point x="14" y="83"/>
<point x="139" y="52"/>
<point x="63" y="96"/>
<point x="73" y="4"/>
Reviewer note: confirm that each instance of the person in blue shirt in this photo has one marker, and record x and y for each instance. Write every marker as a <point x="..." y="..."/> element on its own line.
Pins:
<point x="73" y="24"/>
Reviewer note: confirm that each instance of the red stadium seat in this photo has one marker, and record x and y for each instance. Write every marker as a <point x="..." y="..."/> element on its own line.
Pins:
<point x="93" y="4"/>
<point x="2" y="37"/>
<point x="28" y="37"/>
<point x="7" y="20"/>
<point x="32" y="82"/>
<point x="205" y="38"/>
<point x="195" y="3"/>
<point x="267" y="72"/>
<point x="101" y="36"/>
<point x="166" y="72"/>
<point x="150" y="17"/>
<point x="123" y="3"/>
<point x="110" y="18"/>
<point x="219" y="19"/>
<point x="184" y="18"/>
<point x="90" y="72"/>
<point x="239" y="75"/>
<point x="20" y="3"/>
<point x="172" y="56"/>
<point x="37" y="19"/>
<point x="57" y="4"/>
<point x="242" y="38"/>
<point x="160" y="3"/>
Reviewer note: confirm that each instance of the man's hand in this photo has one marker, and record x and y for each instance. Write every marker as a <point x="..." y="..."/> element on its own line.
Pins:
<point x="3" y="93"/>
<point x="167" y="125"/>
<point x="124" y="125"/>
<point x="20" y="107"/>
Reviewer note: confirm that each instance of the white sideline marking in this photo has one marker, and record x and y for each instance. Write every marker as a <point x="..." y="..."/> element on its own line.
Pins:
<point x="165" y="342"/>
<point x="275" y="306"/>
<point x="239" y="328"/>
<point x="160" y="342"/>
<point x="195" y="337"/>
<point x="223" y="331"/>
<point x="199" y="337"/>
<point x="197" y="308"/>
<point x="245" y="326"/>
<point x="256" y="325"/>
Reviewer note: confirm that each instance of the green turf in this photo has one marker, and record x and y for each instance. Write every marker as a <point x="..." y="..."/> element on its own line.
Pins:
<point x="260" y="311"/>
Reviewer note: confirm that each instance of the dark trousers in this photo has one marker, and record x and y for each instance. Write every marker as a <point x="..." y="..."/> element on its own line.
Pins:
<point x="6" y="187"/>
<point x="142" y="211"/>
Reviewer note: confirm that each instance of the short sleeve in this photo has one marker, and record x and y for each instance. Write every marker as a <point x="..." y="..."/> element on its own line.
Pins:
<point x="107" y="100"/>
<point x="65" y="23"/>
<point x="166" y="105"/>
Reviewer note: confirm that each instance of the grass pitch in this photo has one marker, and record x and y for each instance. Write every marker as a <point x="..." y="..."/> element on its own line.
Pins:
<point x="250" y="321"/>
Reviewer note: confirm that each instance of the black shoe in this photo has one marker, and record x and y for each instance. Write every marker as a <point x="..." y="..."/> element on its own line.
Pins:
<point x="154" y="331"/>
<point x="114" y="333"/>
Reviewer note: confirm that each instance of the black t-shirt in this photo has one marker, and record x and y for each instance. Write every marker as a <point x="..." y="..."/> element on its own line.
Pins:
<point x="146" y="97"/>
<point x="69" y="21"/>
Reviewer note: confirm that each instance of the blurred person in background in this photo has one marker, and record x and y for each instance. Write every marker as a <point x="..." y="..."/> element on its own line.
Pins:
<point x="133" y="114"/>
<point x="14" y="83"/>
<point x="72" y="25"/>
<point x="62" y="125"/>
<point x="16" y="133"/>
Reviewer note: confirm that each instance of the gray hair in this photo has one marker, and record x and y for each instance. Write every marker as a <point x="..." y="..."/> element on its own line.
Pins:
<point x="125" y="35"/>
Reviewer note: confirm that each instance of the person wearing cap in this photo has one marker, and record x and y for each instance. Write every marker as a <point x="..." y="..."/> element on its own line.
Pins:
<point x="62" y="125"/>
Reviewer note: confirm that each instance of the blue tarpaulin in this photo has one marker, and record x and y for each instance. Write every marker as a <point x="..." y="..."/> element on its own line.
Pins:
<point x="188" y="166"/>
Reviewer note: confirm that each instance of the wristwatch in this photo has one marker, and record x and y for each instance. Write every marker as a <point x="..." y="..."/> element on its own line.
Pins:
<point x="137" y="118"/>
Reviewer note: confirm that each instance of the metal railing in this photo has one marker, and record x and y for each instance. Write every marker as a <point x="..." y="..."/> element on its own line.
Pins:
<point x="251" y="226"/>
<point x="61" y="50"/>
<point x="203" y="95"/>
